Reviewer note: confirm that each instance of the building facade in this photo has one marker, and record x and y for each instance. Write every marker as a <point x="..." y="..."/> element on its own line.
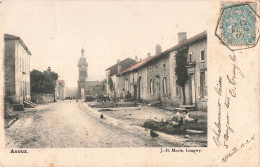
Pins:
<point x="60" y="90"/>
<point x="154" y="79"/>
<point x="94" y="88"/>
<point x="113" y="77"/>
<point x="17" y="69"/>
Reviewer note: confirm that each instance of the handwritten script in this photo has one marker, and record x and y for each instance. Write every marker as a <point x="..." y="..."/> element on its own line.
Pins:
<point x="222" y="130"/>
<point x="236" y="149"/>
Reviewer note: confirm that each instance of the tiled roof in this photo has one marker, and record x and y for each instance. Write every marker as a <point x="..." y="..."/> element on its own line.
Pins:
<point x="124" y="64"/>
<point x="187" y="41"/>
<point x="13" y="37"/>
<point x="178" y="46"/>
<point x="136" y="65"/>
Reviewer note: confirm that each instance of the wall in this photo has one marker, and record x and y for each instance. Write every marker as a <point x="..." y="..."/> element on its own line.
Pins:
<point x="9" y="69"/>
<point x="17" y="71"/>
<point x="176" y="91"/>
<point x="42" y="98"/>
<point x="156" y="71"/>
<point x="200" y="66"/>
<point x="22" y="63"/>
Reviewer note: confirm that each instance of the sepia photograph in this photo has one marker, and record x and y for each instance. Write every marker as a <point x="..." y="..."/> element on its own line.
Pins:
<point x="129" y="83"/>
<point x="117" y="75"/>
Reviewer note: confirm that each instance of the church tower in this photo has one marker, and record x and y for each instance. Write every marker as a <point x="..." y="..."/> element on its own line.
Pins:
<point x="83" y="74"/>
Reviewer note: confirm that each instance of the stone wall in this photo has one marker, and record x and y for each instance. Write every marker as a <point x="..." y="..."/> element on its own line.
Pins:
<point x="157" y="72"/>
<point x="17" y="71"/>
<point x="42" y="98"/>
<point x="199" y="67"/>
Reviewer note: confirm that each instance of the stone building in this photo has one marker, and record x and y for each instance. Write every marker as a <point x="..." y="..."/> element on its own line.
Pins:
<point x="113" y="74"/>
<point x="134" y="80"/>
<point x="94" y="88"/>
<point x="154" y="79"/>
<point x="17" y="69"/>
<point x="196" y="85"/>
<point x="60" y="90"/>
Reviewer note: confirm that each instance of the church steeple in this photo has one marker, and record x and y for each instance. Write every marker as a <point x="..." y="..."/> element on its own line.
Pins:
<point x="82" y="52"/>
<point x="83" y="74"/>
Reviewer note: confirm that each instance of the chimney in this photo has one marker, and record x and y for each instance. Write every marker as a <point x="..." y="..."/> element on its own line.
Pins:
<point x="158" y="49"/>
<point x="118" y="61"/>
<point x="140" y="59"/>
<point x="49" y="69"/>
<point x="118" y="68"/>
<point x="148" y="54"/>
<point x="182" y="36"/>
<point x="136" y="58"/>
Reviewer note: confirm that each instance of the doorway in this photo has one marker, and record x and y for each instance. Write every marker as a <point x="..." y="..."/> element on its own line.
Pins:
<point x="139" y="87"/>
<point x="192" y="89"/>
<point x="82" y="93"/>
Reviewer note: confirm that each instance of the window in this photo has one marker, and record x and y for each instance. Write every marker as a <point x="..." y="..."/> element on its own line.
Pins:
<point x="157" y="90"/>
<point x="151" y="86"/>
<point x="202" y="84"/>
<point x="190" y="58"/>
<point x="126" y="85"/>
<point x="164" y="65"/>
<point x="202" y="55"/>
<point x="156" y="67"/>
<point x="164" y="86"/>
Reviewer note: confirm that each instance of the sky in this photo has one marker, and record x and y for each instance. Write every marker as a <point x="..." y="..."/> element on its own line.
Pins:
<point x="55" y="31"/>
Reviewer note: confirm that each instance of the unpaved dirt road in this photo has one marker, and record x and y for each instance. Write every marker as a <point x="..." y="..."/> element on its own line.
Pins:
<point x="67" y="124"/>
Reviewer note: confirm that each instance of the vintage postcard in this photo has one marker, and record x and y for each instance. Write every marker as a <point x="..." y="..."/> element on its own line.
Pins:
<point x="129" y="83"/>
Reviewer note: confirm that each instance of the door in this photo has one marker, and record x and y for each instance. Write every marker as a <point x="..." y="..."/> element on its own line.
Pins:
<point x="158" y="93"/>
<point x="192" y="89"/>
<point x="139" y="88"/>
<point x="135" y="90"/>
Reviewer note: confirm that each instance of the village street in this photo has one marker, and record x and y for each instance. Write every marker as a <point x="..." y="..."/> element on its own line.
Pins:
<point x="70" y="124"/>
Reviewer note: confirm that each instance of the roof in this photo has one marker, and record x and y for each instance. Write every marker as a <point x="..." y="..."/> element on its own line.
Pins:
<point x="13" y="37"/>
<point x="136" y="65"/>
<point x="186" y="42"/>
<point x="124" y="64"/>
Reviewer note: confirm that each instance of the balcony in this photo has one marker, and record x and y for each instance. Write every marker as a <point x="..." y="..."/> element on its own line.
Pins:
<point x="191" y="64"/>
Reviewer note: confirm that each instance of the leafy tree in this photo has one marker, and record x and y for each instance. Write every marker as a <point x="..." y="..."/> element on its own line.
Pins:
<point x="43" y="82"/>
<point x="111" y="84"/>
<point x="180" y="69"/>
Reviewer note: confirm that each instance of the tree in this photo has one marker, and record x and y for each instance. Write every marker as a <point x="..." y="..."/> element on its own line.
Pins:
<point x="110" y="83"/>
<point x="112" y="88"/>
<point x="43" y="82"/>
<point x="180" y="69"/>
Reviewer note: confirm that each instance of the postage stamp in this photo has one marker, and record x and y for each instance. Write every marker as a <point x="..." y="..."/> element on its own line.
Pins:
<point x="237" y="25"/>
